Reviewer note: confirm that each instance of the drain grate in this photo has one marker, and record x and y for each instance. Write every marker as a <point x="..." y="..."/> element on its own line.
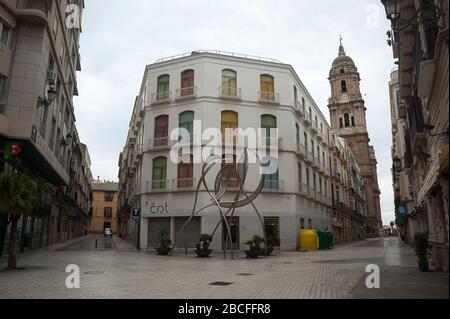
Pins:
<point x="245" y="274"/>
<point x="220" y="283"/>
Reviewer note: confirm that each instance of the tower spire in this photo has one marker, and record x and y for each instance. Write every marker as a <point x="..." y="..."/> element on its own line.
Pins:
<point x="341" y="47"/>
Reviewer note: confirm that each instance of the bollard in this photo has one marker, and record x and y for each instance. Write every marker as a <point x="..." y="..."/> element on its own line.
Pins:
<point x="96" y="243"/>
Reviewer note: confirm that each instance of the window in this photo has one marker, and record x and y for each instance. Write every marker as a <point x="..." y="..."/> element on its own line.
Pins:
<point x="347" y="120"/>
<point x="162" y="130"/>
<point x="2" y="92"/>
<point x="303" y="104"/>
<point x="269" y="122"/>
<point x="310" y="224"/>
<point x="43" y="124"/>
<point x="344" y="86"/>
<point x="297" y="133"/>
<point x="159" y="173"/>
<point x="300" y="174"/>
<point x="107" y="213"/>
<point x="341" y="123"/>
<point x="307" y="178"/>
<point x="295" y="96"/>
<point x="186" y="173"/>
<point x="314" y="181"/>
<point x="302" y="223"/>
<point x="229" y="83"/>
<point x="312" y="148"/>
<point x="353" y="121"/>
<point x="272" y="180"/>
<point x="229" y="125"/>
<point x="163" y="90"/>
<point x="272" y="228"/>
<point x="5" y="35"/>
<point x="187" y="83"/>
<point x="187" y="123"/>
<point x="52" y="134"/>
<point x="305" y="136"/>
<point x="109" y="196"/>
<point x="318" y="153"/>
<point x="229" y="170"/>
<point x="267" y="87"/>
<point x="320" y="185"/>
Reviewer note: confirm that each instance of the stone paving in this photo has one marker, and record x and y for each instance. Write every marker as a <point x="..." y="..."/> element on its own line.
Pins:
<point x="123" y="272"/>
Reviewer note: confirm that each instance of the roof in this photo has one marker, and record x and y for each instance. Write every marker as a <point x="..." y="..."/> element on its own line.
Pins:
<point x="105" y="187"/>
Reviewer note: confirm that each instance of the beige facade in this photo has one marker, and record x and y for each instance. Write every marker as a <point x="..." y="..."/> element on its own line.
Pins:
<point x="104" y="208"/>
<point x="39" y="59"/>
<point x="422" y="106"/>
<point x="348" y="120"/>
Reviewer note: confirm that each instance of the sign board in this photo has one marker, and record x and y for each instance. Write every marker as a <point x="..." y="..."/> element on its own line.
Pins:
<point x="402" y="209"/>
<point x="136" y="214"/>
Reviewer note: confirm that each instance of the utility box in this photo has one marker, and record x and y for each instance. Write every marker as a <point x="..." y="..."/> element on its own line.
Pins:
<point x="308" y="240"/>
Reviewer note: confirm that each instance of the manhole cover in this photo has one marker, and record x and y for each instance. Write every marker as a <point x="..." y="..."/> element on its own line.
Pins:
<point x="220" y="283"/>
<point x="245" y="274"/>
<point x="288" y="262"/>
<point x="94" y="272"/>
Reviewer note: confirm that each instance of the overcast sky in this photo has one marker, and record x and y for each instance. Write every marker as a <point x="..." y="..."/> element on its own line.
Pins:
<point x="120" y="38"/>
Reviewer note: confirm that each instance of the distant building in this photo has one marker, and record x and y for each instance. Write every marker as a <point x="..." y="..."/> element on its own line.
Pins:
<point x="104" y="208"/>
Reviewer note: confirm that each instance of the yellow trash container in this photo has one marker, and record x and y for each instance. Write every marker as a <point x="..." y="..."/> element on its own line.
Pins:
<point x="308" y="240"/>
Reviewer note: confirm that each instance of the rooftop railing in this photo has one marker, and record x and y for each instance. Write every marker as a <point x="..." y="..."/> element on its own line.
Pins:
<point x="232" y="54"/>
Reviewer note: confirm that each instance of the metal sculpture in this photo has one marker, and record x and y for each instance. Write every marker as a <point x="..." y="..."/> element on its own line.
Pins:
<point x="221" y="187"/>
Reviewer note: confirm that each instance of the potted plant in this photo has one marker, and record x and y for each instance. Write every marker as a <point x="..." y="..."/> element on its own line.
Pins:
<point x="421" y="248"/>
<point x="255" y="247"/>
<point x="272" y="242"/>
<point x="165" y="244"/>
<point x="203" y="250"/>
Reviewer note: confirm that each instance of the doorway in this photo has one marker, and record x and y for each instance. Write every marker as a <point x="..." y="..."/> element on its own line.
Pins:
<point x="233" y="223"/>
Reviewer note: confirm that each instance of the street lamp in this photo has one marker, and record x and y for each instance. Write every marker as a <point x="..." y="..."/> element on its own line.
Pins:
<point x="392" y="9"/>
<point x="427" y="14"/>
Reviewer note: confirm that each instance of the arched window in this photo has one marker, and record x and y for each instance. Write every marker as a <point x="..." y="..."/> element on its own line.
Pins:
<point x="229" y="83"/>
<point x="230" y="122"/>
<point x="269" y="122"/>
<point x="162" y="131"/>
<point x="163" y="90"/>
<point x="187" y="83"/>
<point x="267" y="87"/>
<point x="344" y="86"/>
<point x="353" y="121"/>
<point x="347" y="120"/>
<point x="187" y="123"/>
<point x="341" y="123"/>
<point x="186" y="173"/>
<point x="303" y="104"/>
<point x="297" y="133"/>
<point x="159" y="173"/>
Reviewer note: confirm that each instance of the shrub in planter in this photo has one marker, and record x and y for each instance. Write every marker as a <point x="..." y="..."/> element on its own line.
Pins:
<point x="272" y="242"/>
<point x="421" y="248"/>
<point x="255" y="247"/>
<point x="203" y="250"/>
<point x="165" y="244"/>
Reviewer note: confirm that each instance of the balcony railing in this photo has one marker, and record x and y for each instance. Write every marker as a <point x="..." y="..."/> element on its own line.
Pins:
<point x="157" y="186"/>
<point x="160" y="143"/>
<point x="316" y="163"/>
<point x="183" y="184"/>
<point x="314" y="128"/>
<point x="273" y="186"/>
<point x="161" y="97"/>
<point x="301" y="150"/>
<point x="306" y="190"/>
<point x="230" y="92"/>
<point x="186" y="93"/>
<point x="310" y="158"/>
<point x="307" y="119"/>
<point x="269" y="97"/>
<point x="299" y="108"/>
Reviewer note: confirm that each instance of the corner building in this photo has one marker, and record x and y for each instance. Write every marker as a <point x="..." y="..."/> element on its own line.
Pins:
<point x="228" y="91"/>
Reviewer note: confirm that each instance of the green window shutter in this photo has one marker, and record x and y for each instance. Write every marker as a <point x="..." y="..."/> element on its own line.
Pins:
<point x="159" y="173"/>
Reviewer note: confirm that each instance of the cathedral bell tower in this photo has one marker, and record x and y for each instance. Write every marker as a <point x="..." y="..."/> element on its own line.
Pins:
<point x="348" y="120"/>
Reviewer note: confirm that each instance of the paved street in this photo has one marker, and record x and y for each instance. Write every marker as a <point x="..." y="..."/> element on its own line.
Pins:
<point x="122" y="272"/>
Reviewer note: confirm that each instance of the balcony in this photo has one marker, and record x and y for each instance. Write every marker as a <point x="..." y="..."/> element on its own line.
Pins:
<point x="314" y="128"/>
<point x="269" y="97"/>
<point x="230" y="93"/>
<point x="161" y="98"/>
<point x="316" y="163"/>
<point x="309" y="158"/>
<point x="186" y="93"/>
<point x="307" y="119"/>
<point x="184" y="184"/>
<point x="158" y="186"/>
<point x="306" y="190"/>
<point x="302" y="189"/>
<point x="299" y="109"/>
<point x="301" y="151"/>
<point x="158" y="144"/>
<point x="273" y="186"/>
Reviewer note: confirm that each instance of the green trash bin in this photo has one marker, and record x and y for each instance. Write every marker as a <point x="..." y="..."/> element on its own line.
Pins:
<point x="322" y="240"/>
<point x="329" y="240"/>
